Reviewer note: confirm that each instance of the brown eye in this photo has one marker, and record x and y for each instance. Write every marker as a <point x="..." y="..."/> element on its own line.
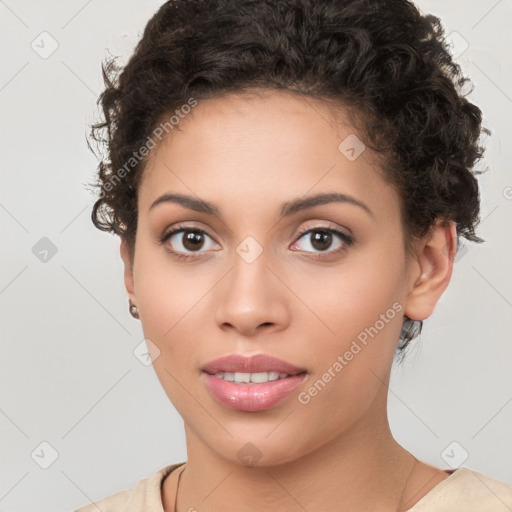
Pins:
<point x="185" y="241"/>
<point x="192" y="240"/>
<point x="321" y="240"/>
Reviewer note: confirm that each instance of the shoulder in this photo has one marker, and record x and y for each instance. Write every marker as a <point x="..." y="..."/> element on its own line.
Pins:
<point x="145" y="495"/>
<point x="111" y="503"/>
<point x="466" y="490"/>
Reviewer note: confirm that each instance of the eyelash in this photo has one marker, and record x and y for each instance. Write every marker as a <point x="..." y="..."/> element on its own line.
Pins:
<point x="346" y="239"/>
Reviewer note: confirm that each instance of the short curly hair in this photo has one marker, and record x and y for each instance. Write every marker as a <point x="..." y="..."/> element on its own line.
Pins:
<point x="383" y="59"/>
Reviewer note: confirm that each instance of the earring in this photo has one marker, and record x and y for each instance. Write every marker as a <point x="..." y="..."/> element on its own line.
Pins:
<point x="134" y="310"/>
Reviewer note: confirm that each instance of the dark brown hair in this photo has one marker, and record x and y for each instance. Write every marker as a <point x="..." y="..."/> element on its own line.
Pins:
<point x="381" y="58"/>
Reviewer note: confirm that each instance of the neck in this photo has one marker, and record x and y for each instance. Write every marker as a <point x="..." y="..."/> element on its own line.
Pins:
<point x="361" y="470"/>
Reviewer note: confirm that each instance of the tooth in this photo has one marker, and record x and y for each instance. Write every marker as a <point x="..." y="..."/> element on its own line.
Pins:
<point x="255" y="378"/>
<point x="259" y="377"/>
<point x="242" y="377"/>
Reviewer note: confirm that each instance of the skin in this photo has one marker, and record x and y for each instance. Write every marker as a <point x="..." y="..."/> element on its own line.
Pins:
<point x="248" y="154"/>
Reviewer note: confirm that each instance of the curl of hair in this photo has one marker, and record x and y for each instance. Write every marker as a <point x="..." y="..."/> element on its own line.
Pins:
<point x="382" y="59"/>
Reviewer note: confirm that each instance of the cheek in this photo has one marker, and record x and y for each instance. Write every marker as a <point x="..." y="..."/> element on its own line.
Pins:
<point x="362" y="306"/>
<point x="167" y="293"/>
<point x="169" y="302"/>
<point x="351" y="370"/>
<point x="350" y="299"/>
<point x="168" y="308"/>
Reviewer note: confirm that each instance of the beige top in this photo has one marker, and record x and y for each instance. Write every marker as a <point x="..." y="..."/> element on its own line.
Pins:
<point x="464" y="490"/>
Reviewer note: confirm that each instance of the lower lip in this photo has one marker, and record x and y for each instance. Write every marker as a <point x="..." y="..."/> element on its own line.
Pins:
<point x="253" y="397"/>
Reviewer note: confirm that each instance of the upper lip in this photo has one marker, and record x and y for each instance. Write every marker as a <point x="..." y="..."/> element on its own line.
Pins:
<point x="252" y="364"/>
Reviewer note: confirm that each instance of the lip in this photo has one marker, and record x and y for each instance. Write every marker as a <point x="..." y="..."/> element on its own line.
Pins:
<point x="252" y="397"/>
<point x="252" y="364"/>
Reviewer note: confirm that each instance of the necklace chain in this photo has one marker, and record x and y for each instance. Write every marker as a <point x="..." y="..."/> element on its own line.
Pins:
<point x="405" y="485"/>
<point x="177" y="489"/>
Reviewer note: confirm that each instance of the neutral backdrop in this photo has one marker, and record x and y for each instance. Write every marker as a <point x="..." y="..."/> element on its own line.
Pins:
<point x="73" y="396"/>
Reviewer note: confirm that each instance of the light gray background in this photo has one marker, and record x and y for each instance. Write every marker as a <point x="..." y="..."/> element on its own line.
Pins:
<point x="68" y="373"/>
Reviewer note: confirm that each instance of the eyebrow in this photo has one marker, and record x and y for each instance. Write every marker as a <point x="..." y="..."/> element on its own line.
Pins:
<point x="287" y="209"/>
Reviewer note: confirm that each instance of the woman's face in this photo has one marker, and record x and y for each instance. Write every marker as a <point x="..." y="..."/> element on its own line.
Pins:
<point x="249" y="283"/>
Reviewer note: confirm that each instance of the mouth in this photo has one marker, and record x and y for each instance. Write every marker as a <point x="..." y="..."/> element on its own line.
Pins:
<point x="251" y="384"/>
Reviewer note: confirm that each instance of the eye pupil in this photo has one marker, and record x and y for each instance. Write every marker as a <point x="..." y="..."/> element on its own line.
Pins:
<point x="193" y="240"/>
<point x="321" y="240"/>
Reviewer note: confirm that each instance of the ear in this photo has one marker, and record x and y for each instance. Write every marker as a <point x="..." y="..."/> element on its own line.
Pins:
<point x="128" y="270"/>
<point x="431" y="270"/>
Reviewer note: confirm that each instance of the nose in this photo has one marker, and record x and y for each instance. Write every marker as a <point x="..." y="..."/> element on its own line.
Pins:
<point x="252" y="299"/>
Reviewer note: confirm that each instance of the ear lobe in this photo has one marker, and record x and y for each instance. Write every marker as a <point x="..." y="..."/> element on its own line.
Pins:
<point x="433" y="271"/>
<point x="128" y="270"/>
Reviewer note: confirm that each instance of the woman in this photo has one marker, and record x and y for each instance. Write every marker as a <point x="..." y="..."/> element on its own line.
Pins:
<point x="289" y="181"/>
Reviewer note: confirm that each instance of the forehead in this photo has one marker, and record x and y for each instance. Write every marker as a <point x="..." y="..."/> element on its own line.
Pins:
<point x="277" y="145"/>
